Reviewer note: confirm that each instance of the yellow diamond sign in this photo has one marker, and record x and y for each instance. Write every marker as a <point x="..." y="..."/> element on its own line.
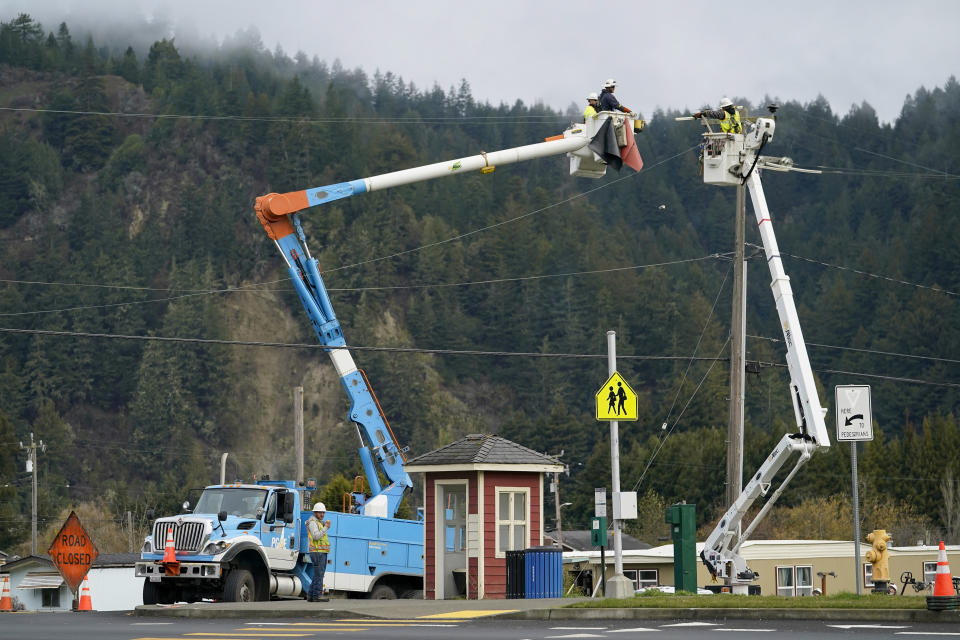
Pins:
<point x="617" y="401"/>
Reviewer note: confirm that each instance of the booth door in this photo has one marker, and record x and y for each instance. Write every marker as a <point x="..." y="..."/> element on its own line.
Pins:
<point x="452" y="536"/>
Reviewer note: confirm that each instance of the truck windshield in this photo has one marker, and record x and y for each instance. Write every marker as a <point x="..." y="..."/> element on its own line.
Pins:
<point x="238" y="502"/>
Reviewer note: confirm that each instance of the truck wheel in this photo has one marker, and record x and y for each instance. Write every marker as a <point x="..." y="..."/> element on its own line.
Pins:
<point x="157" y="593"/>
<point x="239" y="587"/>
<point x="383" y="592"/>
<point x="412" y="594"/>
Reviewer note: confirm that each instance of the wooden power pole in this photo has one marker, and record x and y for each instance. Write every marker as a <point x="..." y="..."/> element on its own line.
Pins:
<point x="738" y="330"/>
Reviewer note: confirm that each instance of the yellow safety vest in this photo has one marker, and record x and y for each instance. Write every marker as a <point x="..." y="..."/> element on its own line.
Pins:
<point x="731" y="124"/>
<point x="323" y="544"/>
<point x="589" y="112"/>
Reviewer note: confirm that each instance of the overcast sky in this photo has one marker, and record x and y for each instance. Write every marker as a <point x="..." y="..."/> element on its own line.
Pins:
<point x="663" y="54"/>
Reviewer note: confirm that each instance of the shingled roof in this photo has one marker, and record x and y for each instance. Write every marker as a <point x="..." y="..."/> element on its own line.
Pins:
<point x="483" y="450"/>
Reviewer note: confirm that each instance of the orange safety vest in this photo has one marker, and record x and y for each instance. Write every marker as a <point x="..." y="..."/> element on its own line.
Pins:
<point x="321" y="545"/>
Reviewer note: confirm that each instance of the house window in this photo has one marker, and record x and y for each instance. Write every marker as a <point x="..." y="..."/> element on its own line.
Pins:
<point x="786" y="584"/>
<point x="642" y="578"/>
<point x="805" y="580"/>
<point x="513" y="517"/>
<point x="867" y="575"/>
<point x="929" y="571"/>
<point x="50" y="597"/>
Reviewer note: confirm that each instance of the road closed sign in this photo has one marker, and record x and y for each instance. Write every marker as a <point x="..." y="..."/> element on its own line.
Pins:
<point x="73" y="552"/>
<point x="854" y="419"/>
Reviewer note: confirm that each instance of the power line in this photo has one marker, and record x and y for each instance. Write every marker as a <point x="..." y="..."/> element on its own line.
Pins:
<point x="870" y="351"/>
<point x="545" y="118"/>
<point x="864" y="273"/>
<point x="288" y="345"/>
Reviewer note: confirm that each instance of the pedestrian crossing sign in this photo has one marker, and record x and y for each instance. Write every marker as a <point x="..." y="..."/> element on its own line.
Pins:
<point x="617" y="401"/>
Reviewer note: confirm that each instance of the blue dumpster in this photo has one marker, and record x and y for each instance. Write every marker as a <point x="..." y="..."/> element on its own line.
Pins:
<point x="543" y="572"/>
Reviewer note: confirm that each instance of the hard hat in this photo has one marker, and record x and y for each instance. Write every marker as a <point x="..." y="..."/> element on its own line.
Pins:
<point x="609" y="83"/>
<point x="319" y="507"/>
<point x="726" y="102"/>
<point x="592" y="96"/>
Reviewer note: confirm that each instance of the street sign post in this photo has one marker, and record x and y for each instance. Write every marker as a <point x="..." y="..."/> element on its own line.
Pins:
<point x="73" y="552"/>
<point x="854" y="424"/>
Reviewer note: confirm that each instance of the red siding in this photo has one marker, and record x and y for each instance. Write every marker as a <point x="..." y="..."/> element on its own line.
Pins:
<point x="430" y="529"/>
<point x="495" y="578"/>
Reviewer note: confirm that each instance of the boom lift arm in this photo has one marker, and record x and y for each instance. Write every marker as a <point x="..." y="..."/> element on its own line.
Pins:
<point x="279" y="214"/>
<point x="731" y="159"/>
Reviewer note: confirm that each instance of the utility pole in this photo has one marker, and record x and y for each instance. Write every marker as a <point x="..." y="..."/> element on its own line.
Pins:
<point x="738" y="330"/>
<point x="32" y="467"/>
<point x="298" y="431"/>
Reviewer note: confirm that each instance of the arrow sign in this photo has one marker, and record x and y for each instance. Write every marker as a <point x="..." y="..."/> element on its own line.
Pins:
<point x="854" y="416"/>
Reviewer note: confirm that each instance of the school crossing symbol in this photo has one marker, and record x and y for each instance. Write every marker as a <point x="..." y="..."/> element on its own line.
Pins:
<point x="617" y="401"/>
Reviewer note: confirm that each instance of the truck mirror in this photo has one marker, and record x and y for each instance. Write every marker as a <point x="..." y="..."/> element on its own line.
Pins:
<point x="222" y="515"/>
<point x="186" y="505"/>
<point x="289" y="502"/>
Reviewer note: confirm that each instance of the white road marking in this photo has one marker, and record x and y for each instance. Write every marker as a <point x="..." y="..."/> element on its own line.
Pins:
<point x="637" y="629"/>
<point x="577" y="628"/>
<point x="744" y="630"/>
<point x="869" y="626"/>
<point x="578" y="635"/>
<point x="690" y="624"/>
<point x="927" y="633"/>
<point x="144" y="624"/>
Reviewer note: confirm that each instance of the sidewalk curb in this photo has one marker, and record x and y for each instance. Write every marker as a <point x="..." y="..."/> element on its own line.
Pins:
<point x="188" y="611"/>
<point x="651" y="613"/>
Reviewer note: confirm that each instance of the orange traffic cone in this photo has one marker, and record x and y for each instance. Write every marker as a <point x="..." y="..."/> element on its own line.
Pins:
<point x="6" y="602"/>
<point x="86" y="604"/>
<point x="944" y="598"/>
<point x="170" y="563"/>
<point x="943" y="586"/>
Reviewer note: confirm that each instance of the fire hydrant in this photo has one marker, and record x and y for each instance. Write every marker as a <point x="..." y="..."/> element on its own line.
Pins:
<point x="879" y="557"/>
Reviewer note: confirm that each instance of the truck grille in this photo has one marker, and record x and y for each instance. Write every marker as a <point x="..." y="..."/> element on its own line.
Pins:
<point x="187" y="536"/>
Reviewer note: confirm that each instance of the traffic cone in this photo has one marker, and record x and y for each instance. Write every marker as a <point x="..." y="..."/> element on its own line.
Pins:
<point x="170" y="563"/>
<point x="6" y="602"/>
<point x="943" y="586"/>
<point x="944" y="597"/>
<point x="86" y="604"/>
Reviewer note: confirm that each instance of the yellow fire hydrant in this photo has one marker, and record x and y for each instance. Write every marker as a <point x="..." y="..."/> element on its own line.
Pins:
<point x="879" y="557"/>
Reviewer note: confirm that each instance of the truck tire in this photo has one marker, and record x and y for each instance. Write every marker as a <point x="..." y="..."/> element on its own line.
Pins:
<point x="412" y="594"/>
<point x="239" y="587"/>
<point x="383" y="592"/>
<point x="157" y="593"/>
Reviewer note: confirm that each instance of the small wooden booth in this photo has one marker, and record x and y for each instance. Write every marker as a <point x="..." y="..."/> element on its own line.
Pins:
<point x="483" y="496"/>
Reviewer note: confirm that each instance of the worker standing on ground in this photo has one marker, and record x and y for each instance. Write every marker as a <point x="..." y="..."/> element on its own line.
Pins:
<point x="727" y="114"/>
<point x="592" y="103"/>
<point x="319" y="548"/>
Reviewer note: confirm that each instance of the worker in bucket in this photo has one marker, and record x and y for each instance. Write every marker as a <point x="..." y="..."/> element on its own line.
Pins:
<point x="319" y="548"/>
<point x="727" y="114"/>
<point x="592" y="103"/>
<point x="609" y="102"/>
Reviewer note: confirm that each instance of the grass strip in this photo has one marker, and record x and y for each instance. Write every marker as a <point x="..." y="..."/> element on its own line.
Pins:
<point x="682" y="600"/>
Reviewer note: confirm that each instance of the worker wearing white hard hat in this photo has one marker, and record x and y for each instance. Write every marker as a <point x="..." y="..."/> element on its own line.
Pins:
<point x="317" y="529"/>
<point x="727" y="114"/>
<point x="592" y="103"/>
<point x="608" y="102"/>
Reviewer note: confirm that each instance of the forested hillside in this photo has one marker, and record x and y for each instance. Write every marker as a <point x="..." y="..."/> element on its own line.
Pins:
<point x="127" y="182"/>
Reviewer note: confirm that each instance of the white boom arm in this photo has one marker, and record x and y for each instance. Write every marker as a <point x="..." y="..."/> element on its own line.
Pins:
<point x="730" y="159"/>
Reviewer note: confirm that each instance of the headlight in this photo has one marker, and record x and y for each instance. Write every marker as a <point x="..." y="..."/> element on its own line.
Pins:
<point x="215" y="548"/>
<point x="147" y="546"/>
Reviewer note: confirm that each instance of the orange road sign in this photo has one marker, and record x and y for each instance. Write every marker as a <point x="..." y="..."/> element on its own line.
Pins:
<point x="73" y="552"/>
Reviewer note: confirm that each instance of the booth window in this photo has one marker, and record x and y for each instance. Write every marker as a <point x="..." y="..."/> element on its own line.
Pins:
<point x="513" y="517"/>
